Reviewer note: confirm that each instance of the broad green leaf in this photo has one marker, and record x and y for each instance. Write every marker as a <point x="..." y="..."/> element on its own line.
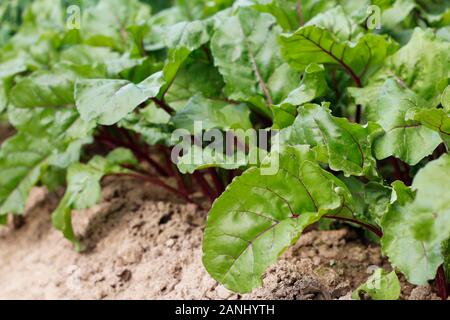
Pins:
<point x="416" y="68"/>
<point x="53" y="138"/>
<point x="44" y="89"/>
<point x="246" y="51"/>
<point x="318" y="44"/>
<point x="380" y="286"/>
<point x="349" y="145"/>
<point x="107" y="101"/>
<point x="213" y="114"/>
<point x="84" y="190"/>
<point x="388" y="106"/>
<point x="259" y="216"/>
<point x="186" y="38"/>
<point x="414" y="231"/>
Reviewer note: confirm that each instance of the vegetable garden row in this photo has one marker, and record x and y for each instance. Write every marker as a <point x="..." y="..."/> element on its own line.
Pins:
<point x="356" y="94"/>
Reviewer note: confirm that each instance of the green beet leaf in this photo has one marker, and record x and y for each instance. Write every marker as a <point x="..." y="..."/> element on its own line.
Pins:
<point x="215" y="114"/>
<point x="246" y="51"/>
<point x="418" y="69"/>
<point x="436" y="119"/>
<point x="389" y="106"/>
<point x="414" y="230"/>
<point x="108" y="101"/>
<point x="84" y="189"/>
<point x="259" y="216"/>
<point x="324" y="43"/>
<point x="312" y="86"/>
<point x="49" y="138"/>
<point x="349" y="145"/>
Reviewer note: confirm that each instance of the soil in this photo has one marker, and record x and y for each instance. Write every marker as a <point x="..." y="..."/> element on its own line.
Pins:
<point x="141" y="244"/>
<point x="5" y="131"/>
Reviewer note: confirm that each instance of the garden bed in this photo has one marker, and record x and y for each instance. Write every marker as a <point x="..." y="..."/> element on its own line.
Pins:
<point x="141" y="244"/>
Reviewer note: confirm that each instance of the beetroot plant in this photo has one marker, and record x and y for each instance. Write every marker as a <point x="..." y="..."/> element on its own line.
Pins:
<point x="354" y="96"/>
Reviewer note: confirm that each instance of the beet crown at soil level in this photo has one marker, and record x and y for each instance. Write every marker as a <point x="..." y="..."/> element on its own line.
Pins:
<point x="356" y="93"/>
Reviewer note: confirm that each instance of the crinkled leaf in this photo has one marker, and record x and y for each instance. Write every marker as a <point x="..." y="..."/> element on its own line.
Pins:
<point x="258" y="216"/>
<point x="349" y="145"/>
<point x="246" y="50"/>
<point x="107" y="101"/>
<point x="414" y="231"/>
<point x="50" y="139"/>
<point x="84" y="190"/>
<point x="388" y="106"/>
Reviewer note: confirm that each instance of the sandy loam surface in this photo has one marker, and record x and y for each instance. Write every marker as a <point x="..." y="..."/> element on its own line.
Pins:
<point x="143" y="245"/>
